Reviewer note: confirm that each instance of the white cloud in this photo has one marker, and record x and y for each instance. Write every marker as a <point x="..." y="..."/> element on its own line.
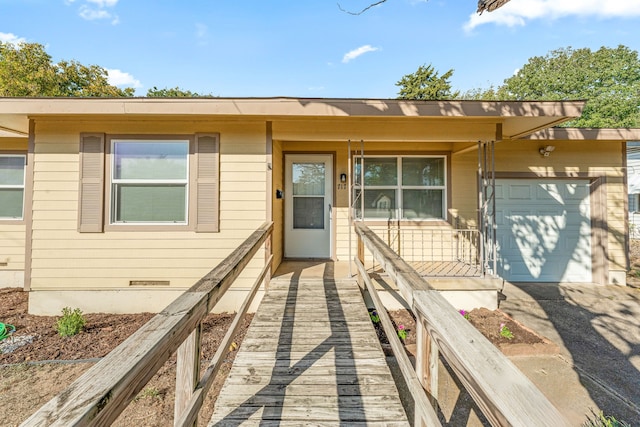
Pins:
<point x="103" y="3"/>
<point x="518" y="12"/>
<point x="357" y="52"/>
<point x="97" y="9"/>
<point x="120" y="78"/>
<point x="11" y="38"/>
<point x="92" y="14"/>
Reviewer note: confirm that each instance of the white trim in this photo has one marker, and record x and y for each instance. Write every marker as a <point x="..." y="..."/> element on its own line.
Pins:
<point x="399" y="187"/>
<point x="13" y="186"/>
<point x="115" y="183"/>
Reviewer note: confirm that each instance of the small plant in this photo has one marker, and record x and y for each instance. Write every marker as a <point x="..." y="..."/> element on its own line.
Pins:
<point x="505" y="332"/>
<point x="374" y="316"/>
<point x="71" y="322"/>
<point x="601" y="420"/>
<point x="402" y="332"/>
<point x="149" y="392"/>
<point x="465" y="314"/>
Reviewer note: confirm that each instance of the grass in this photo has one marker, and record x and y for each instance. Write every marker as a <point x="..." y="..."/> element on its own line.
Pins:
<point x="148" y="393"/>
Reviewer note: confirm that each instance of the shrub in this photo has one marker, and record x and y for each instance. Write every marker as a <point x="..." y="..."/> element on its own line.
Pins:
<point x="71" y="322"/>
<point x="601" y="420"/>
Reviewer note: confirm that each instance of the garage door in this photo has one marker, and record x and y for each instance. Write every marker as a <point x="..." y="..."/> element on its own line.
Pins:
<point x="543" y="230"/>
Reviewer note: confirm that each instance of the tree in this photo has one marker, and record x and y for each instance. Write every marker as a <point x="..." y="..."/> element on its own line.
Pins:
<point x="608" y="79"/>
<point x="175" y="92"/>
<point x="26" y="70"/>
<point x="425" y="84"/>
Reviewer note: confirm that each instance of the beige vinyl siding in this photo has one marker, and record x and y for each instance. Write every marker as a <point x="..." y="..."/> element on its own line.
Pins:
<point x="63" y="258"/>
<point x="12" y="246"/>
<point x="464" y="189"/>
<point x="277" y="204"/>
<point x="616" y="222"/>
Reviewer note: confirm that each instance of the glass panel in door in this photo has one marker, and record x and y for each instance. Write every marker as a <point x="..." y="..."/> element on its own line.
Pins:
<point x="308" y="195"/>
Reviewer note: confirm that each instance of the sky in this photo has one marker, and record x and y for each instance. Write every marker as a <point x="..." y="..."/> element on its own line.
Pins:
<point x="311" y="48"/>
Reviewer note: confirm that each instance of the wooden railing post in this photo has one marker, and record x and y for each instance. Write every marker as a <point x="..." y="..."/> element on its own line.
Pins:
<point x="360" y="257"/>
<point x="268" y="256"/>
<point x="426" y="360"/>
<point x="187" y="370"/>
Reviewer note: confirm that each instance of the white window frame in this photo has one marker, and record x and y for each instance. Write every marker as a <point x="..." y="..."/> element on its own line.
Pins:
<point x="115" y="182"/>
<point x="399" y="210"/>
<point x="12" y="187"/>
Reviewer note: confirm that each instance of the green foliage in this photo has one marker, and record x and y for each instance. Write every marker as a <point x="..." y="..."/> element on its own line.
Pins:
<point x="71" y="322"/>
<point x="402" y="332"/>
<point x="426" y="84"/>
<point x="601" y="420"/>
<point x="148" y="393"/>
<point x="26" y="70"/>
<point x="505" y="332"/>
<point x="374" y="316"/>
<point x="608" y="79"/>
<point x="175" y="92"/>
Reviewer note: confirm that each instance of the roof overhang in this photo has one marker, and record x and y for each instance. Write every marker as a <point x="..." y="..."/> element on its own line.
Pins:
<point x="517" y="118"/>
<point x="577" y="134"/>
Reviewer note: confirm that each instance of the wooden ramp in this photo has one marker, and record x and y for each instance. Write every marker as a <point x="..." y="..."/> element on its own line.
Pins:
<point x="310" y="357"/>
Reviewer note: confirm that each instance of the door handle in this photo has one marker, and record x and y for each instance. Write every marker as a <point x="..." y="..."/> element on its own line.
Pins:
<point x="330" y="211"/>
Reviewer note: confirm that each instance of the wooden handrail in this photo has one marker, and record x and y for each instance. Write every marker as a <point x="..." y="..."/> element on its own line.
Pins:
<point x="503" y="393"/>
<point x="407" y="279"/>
<point x="424" y="414"/>
<point x="189" y="415"/>
<point x="103" y="392"/>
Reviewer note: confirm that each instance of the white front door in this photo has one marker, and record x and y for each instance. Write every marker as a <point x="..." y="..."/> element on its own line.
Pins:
<point x="307" y="199"/>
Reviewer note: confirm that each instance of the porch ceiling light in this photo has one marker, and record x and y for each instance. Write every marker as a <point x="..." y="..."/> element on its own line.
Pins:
<point x="545" y="151"/>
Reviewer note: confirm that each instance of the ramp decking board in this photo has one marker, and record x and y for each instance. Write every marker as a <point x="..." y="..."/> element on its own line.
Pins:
<point x="311" y="357"/>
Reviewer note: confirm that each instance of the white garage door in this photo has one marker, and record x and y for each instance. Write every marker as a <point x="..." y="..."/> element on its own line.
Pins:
<point x="544" y="230"/>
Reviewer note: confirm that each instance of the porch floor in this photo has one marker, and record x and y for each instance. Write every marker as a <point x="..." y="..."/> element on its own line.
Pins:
<point x="311" y="356"/>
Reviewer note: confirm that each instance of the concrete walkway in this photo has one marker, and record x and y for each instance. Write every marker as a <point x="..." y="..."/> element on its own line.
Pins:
<point x="597" y="329"/>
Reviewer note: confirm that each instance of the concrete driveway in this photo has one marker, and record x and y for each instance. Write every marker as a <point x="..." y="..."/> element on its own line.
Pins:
<point x="597" y="329"/>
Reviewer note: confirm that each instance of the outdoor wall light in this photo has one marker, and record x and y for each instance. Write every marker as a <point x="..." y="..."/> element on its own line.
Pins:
<point x="545" y="151"/>
<point x="343" y="177"/>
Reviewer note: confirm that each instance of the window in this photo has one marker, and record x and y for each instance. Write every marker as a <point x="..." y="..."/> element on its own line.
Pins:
<point x="401" y="187"/>
<point x="12" y="177"/>
<point x="149" y="181"/>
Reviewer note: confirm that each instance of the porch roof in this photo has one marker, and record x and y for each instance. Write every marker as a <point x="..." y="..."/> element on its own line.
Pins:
<point x="621" y="134"/>
<point x="517" y="118"/>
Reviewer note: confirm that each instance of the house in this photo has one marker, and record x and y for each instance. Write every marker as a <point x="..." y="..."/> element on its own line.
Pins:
<point x="121" y="204"/>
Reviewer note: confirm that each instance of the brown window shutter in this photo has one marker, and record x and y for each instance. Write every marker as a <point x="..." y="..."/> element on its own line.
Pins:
<point x="207" y="183"/>
<point x="91" y="200"/>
